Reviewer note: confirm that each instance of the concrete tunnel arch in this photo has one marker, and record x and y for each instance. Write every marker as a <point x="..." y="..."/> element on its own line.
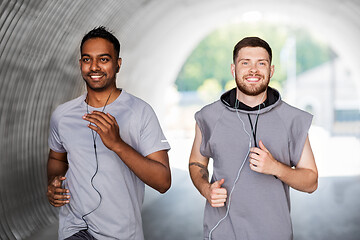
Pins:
<point x="166" y="46"/>
<point x="39" y="51"/>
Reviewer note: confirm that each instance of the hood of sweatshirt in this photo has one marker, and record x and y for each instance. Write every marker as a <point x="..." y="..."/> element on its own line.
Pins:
<point x="272" y="100"/>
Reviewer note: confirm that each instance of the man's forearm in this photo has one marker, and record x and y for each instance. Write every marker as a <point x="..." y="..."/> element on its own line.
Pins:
<point x="200" y="177"/>
<point x="301" y="179"/>
<point x="55" y="168"/>
<point x="152" y="172"/>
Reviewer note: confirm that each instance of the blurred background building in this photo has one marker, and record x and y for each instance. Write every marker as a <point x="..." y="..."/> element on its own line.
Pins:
<point x="164" y="45"/>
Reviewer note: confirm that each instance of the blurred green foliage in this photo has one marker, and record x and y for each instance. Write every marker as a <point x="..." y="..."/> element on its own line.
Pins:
<point x="212" y="57"/>
<point x="210" y="90"/>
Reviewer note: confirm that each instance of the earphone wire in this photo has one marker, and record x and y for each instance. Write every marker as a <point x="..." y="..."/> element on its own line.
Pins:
<point x="94" y="136"/>
<point x="242" y="165"/>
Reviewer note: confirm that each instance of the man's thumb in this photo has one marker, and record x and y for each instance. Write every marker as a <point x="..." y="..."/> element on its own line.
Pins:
<point x="58" y="180"/>
<point x="219" y="183"/>
<point x="262" y="146"/>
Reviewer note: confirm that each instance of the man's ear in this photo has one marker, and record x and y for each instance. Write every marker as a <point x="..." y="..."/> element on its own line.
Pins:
<point x="232" y="69"/>
<point x="119" y="65"/>
<point x="272" y="70"/>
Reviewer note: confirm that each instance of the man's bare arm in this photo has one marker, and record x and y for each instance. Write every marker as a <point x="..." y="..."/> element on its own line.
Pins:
<point x="198" y="168"/>
<point x="304" y="177"/>
<point x="56" y="169"/>
<point x="57" y="165"/>
<point x="153" y="170"/>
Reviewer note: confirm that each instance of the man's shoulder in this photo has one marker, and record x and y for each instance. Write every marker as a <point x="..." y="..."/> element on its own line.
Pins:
<point x="133" y="100"/>
<point x="290" y="110"/>
<point x="212" y="107"/>
<point x="67" y="106"/>
<point x="292" y="116"/>
<point x="135" y="104"/>
<point x="210" y="113"/>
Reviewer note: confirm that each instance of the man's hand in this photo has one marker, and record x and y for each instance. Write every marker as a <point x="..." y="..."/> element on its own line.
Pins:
<point x="262" y="161"/>
<point x="217" y="195"/>
<point x="106" y="126"/>
<point x="57" y="195"/>
<point x="153" y="169"/>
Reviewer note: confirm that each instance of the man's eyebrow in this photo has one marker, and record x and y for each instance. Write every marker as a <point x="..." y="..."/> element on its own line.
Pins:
<point x="105" y="55"/>
<point x="101" y="55"/>
<point x="264" y="59"/>
<point x="258" y="60"/>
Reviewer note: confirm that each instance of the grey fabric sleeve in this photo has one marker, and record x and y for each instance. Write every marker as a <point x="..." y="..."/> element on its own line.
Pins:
<point x="207" y="119"/>
<point x="54" y="139"/>
<point x="298" y="133"/>
<point x="152" y="138"/>
<point x="204" y="147"/>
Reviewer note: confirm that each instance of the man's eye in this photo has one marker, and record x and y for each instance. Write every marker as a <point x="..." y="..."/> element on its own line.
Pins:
<point x="86" y="59"/>
<point x="104" y="59"/>
<point x="244" y="63"/>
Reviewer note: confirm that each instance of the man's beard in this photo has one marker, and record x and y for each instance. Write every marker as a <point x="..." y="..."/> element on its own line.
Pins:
<point x="253" y="90"/>
<point x="107" y="83"/>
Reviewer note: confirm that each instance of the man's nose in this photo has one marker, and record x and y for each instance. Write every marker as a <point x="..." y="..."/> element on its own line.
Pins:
<point x="94" y="66"/>
<point x="253" y="68"/>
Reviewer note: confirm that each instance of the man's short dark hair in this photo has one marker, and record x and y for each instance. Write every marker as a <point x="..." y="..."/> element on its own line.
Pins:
<point x="251" y="42"/>
<point x="102" y="32"/>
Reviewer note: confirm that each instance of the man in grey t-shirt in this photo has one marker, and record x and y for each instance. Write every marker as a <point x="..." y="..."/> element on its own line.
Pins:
<point x="104" y="146"/>
<point x="259" y="146"/>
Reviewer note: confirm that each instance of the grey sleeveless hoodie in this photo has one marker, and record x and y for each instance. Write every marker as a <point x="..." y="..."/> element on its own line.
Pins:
<point x="260" y="204"/>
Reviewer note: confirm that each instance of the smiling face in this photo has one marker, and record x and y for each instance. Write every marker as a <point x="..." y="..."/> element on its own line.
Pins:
<point x="252" y="70"/>
<point x="99" y="64"/>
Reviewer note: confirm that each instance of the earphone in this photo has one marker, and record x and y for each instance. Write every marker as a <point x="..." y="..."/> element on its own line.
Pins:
<point x="92" y="180"/>
<point x="94" y="136"/>
<point x="242" y="165"/>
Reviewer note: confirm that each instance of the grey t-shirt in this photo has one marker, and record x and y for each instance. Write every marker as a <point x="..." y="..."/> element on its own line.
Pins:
<point x="119" y="214"/>
<point x="260" y="204"/>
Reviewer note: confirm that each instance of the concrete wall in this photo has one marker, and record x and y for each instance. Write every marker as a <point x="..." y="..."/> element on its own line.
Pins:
<point x="39" y="51"/>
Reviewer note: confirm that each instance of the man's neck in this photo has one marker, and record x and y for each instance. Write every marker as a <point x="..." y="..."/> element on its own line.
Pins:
<point x="251" y="101"/>
<point x="100" y="99"/>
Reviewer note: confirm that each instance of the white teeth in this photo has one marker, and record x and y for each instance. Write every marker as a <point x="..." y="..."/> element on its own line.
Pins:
<point x="95" y="77"/>
<point x="252" y="79"/>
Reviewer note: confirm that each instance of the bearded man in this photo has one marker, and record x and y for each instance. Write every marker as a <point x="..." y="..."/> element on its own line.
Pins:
<point x="260" y="147"/>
